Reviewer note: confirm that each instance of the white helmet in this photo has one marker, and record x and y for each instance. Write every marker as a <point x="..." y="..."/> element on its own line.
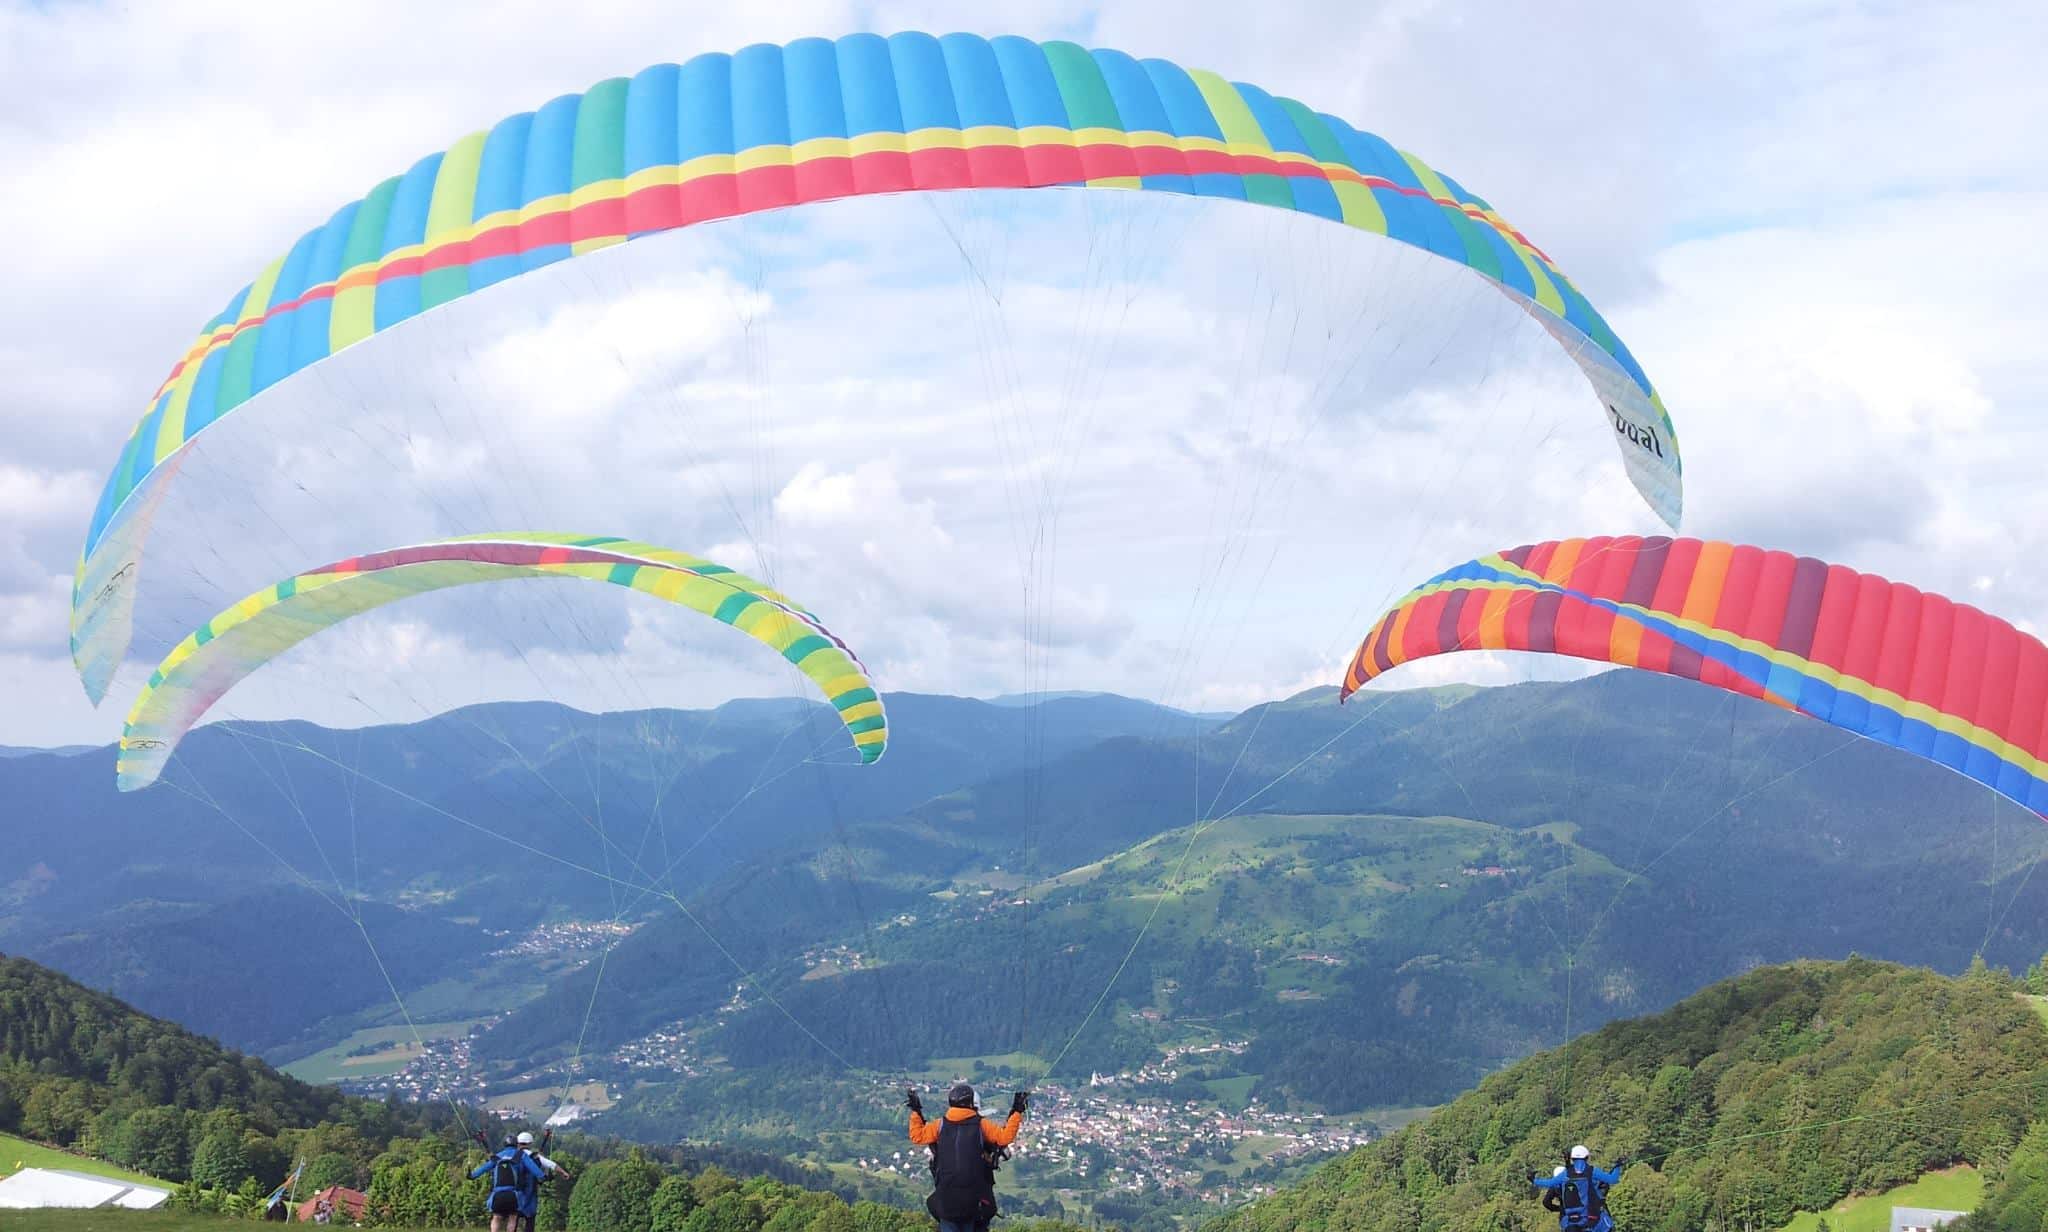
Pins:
<point x="1580" y="1152"/>
<point x="527" y="1140"/>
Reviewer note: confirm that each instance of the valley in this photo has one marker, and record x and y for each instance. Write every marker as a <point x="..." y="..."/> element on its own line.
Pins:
<point x="1208" y="1005"/>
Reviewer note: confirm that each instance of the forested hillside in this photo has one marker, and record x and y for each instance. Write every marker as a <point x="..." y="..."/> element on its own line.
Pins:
<point x="1784" y="1089"/>
<point x="1644" y="838"/>
<point x="68" y="1053"/>
<point x="204" y="966"/>
<point x="387" y="811"/>
<point x="1383" y="901"/>
<point x="82" y="1071"/>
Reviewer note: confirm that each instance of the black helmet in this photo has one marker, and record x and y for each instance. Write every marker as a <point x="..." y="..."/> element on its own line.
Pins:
<point x="960" y="1096"/>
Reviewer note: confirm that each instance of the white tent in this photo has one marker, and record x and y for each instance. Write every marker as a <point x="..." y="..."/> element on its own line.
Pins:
<point x="1921" y="1219"/>
<point x="32" y="1188"/>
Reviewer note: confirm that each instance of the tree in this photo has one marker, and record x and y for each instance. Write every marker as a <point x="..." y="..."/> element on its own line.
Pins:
<point x="198" y="1199"/>
<point x="555" y="1196"/>
<point x="830" y="1215"/>
<point x="269" y="1161"/>
<point x="614" y="1196"/>
<point x="875" y="1217"/>
<point x="1643" y="1201"/>
<point x="58" y="1112"/>
<point x="345" y="1141"/>
<point x="107" y="1136"/>
<point x="219" y="1162"/>
<point x="712" y="1182"/>
<point x="802" y="1211"/>
<point x="672" y="1203"/>
<point x="330" y="1168"/>
<point x="154" y="1141"/>
<point x="731" y="1211"/>
<point x="412" y="1186"/>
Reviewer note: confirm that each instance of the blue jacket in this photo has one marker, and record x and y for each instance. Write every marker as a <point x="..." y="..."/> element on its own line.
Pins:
<point x="530" y="1177"/>
<point x="1583" y="1177"/>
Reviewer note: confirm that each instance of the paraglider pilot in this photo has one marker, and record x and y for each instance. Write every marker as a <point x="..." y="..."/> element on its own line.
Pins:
<point x="515" y="1182"/>
<point x="548" y="1167"/>
<point x="966" y="1151"/>
<point x="1578" y="1193"/>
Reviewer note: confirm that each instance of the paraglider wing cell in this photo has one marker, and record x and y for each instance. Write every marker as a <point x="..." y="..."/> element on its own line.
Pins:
<point x="1879" y="658"/>
<point x="244" y="637"/>
<point x="772" y="127"/>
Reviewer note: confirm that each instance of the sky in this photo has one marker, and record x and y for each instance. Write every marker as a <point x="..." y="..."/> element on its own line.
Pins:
<point x="990" y="456"/>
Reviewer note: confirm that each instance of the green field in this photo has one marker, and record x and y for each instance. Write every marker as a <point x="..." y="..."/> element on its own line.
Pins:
<point x="119" y="1221"/>
<point x="487" y="988"/>
<point x="1957" y="1189"/>
<point x="946" y="1069"/>
<point x="544" y="1100"/>
<point x="334" y="1064"/>
<point x="1232" y="1093"/>
<point x="17" y="1153"/>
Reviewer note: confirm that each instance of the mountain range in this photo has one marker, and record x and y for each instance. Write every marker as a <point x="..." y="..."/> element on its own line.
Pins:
<point x="1407" y="891"/>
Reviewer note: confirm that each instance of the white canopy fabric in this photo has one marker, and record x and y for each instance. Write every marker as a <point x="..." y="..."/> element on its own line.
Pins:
<point x="35" y="1188"/>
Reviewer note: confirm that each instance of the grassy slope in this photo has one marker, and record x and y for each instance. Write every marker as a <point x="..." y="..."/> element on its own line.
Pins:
<point x="334" y="1064"/>
<point x="544" y="1100"/>
<point x="18" y="1153"/>
<point x="1342" y="884"/>
<point x="1957" y="1189"/>
<point x="1382" y="860"/>
<point x="120" y="1221"/>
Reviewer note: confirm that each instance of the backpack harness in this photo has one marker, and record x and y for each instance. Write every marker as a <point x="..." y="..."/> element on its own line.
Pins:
<point x="508" y="1183"/>
<point x="1580" y="1200"/>
<point x="963" y="1173"/>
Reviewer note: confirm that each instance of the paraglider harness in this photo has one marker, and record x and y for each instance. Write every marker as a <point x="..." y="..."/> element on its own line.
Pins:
<point x="508" y="1178"/>
<point x="1577" y="1205"/>
<point x="964" y="1174"/>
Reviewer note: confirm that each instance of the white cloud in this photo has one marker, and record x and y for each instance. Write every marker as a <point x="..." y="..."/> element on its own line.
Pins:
<point x="1482" y="667"/>
<point x="28" y="495"/>
<point x="571" y="374"/>
<point x="1858" y="390"/>
<point x="1811" y="224"/>
<point x="34" y="620"/>
<point x="38" y="511"/>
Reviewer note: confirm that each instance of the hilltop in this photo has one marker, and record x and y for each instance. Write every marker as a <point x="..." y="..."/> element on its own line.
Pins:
<point x="1540" y="859"/>
<point x="1287" y="928"/>
<point x="82" y="1072"/>
<point x="1787" y="1088"/>
<point x="293" y="843"/>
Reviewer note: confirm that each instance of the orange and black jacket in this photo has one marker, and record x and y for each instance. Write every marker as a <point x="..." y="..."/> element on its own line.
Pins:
<point x="926" y="1133"/>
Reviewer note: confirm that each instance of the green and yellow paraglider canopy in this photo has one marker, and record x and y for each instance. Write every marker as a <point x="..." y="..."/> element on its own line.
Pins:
<point x="244" y="637"/>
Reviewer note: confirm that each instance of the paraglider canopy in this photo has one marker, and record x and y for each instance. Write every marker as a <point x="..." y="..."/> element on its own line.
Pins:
<point x="1907" y="668"/>
<point x="240" y="640"/>
<point x="771" y="127"/>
